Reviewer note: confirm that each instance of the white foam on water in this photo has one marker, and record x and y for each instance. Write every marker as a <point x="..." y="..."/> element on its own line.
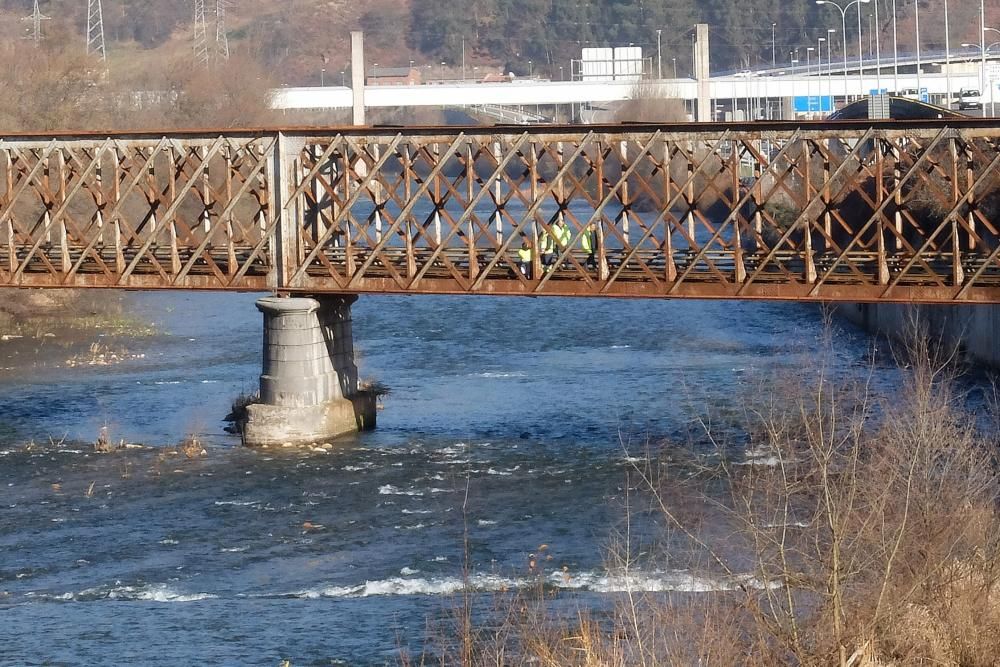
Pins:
<point x="486" y="522"/>
<point x="770" y="461"/>
<point x="409" y="586"/>
<point x="620" y="347"/>
<point x="595" y="582"/>
<point x="390" y="490"/>
<point x="417" y="511"/>
<point x="417" y="526"/>
<point x="793" y="524"/>
<point x="234" y="550"/>
<point x="169" y="542"/>
<point x="502" y="473"/>
<point x="163" y="593"/>
<point x="408" y="571"/>
<point x="758" y="452"/>
<point x="238" y="503"/>
<point x="499" y="375"/>
<point x="148" y="593"/>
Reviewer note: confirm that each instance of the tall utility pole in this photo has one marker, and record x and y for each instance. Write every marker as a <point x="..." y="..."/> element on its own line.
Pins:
<point x="200" y="33"/>
<point x="221" y="38"/>
<point x="95" y="30"/>
<point x="774" y="59"/>
<point x="947" y="54"/>
<point x="36" y="19"/>
<point x="659" y="55"/>
<point x="916" y="13"/>
<point x="982" y="54"/>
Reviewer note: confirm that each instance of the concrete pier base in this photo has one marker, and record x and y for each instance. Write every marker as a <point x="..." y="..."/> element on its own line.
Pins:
<point x="309" y="382"/>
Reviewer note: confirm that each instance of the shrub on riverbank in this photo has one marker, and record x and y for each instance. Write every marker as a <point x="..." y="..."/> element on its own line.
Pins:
<point x="33" y="312"/>
<point x="855" y="530"/>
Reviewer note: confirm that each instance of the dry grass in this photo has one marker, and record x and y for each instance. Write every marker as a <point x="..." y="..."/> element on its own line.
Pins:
<point x="866" y="533"/>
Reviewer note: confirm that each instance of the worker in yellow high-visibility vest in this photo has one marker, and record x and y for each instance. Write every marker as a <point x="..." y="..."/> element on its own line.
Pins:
<point x="547" y="248"/>
<point x="524" y="256"/>
<point x="562" y="237"/>
<point x="588" y="241"/>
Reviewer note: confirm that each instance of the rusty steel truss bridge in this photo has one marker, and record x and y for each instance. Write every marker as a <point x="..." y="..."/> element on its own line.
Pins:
<point x="837" y="211"/>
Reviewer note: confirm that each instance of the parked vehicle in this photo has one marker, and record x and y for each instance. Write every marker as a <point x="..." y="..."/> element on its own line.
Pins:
<point x="969" y="98"/>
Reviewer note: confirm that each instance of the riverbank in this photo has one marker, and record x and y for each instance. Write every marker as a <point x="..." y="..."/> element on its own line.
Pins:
<point x="66" y="329"/>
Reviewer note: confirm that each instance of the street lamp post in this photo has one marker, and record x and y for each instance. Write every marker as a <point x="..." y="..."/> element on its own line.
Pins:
<point x="809" y="50"/>
<point x="947" y="54"/>
<point x="861" y="56"/>
<point x="322" y="77"/>
<point x="982" y="91"/>
<point x="830" y="32"/>
<point x="916" y="12"/>
<point x="774" y="59"/>
<point x="675" y="66"/>
<point x="819" y="70"/>
<point x="843" y="25"/>
<point x="659" y="55"/>
<point x="878" y="51"/>
<point x="986" y="79"/>
<point x="982" y="48"/>
<point x="895" y="53"/>
<point x="871" y="37"/>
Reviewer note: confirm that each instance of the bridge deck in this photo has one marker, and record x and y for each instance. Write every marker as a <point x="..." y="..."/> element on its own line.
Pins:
<point x="896" y="211"/>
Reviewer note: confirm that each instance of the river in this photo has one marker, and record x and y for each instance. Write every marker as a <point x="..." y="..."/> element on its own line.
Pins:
<point x="511" y="419"/>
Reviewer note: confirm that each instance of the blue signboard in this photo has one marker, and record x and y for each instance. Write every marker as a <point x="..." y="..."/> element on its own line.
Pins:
<point x="812" y="103"/>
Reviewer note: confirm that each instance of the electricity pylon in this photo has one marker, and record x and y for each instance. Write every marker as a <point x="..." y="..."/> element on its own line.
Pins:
<point x="36" y="19"/>
<point x="221" y="38"/>
<point x="95" y="30"/>
<point x="200" y="33"/>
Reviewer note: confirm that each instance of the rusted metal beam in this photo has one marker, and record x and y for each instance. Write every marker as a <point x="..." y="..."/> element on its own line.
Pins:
<point x="426" y="210"/>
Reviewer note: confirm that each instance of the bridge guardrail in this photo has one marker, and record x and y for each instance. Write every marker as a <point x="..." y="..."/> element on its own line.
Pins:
<point x="850" y="211"/>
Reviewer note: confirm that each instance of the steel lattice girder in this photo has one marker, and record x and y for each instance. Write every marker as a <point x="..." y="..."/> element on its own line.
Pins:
<point x="847" y="211"/>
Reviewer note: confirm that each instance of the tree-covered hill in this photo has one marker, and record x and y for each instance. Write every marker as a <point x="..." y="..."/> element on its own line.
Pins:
<point x="296" y="40"/>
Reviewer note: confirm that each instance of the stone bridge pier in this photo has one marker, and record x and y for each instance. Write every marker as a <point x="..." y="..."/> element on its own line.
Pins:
<point x="309" y="381"/>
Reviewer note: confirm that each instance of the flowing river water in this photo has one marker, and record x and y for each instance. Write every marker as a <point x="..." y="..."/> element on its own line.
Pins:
<point x="512" y="422"/>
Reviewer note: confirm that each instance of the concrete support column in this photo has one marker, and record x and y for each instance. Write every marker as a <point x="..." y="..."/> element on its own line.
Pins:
<point x="358" y="76"/>
<point x="309" y="381"/>
<point x="702" y="71"/>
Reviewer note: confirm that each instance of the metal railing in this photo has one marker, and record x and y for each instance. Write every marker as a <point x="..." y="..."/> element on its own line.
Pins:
<point x="857" y="211"/>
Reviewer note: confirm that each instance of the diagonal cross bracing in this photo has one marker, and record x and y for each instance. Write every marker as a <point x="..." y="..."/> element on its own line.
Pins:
<point x="863" y="211"/>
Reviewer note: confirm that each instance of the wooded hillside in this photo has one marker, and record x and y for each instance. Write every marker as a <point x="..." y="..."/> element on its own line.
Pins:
<point x="295" y="40"/>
